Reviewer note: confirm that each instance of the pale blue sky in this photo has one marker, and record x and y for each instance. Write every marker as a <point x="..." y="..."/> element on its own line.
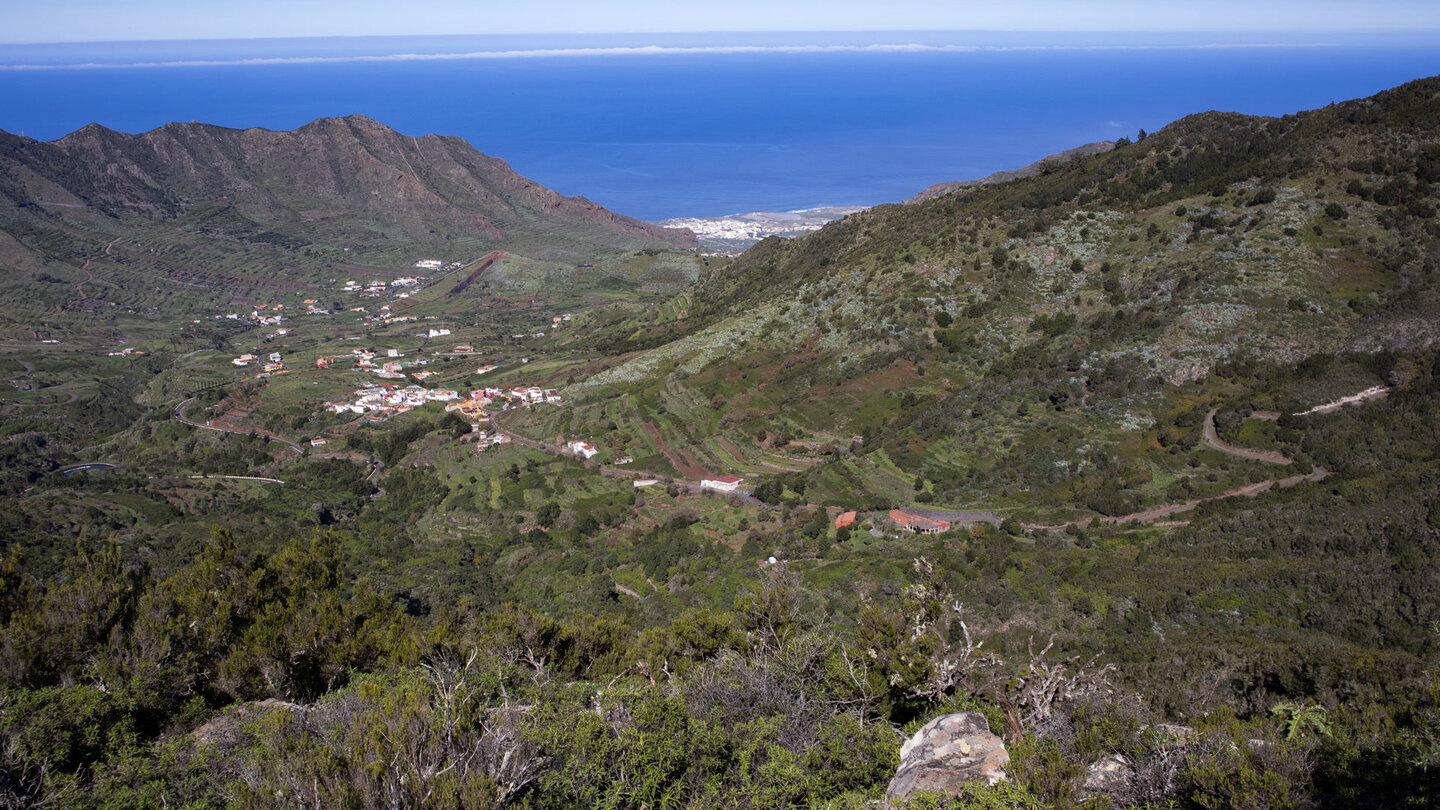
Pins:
<point x="110" y="20"/>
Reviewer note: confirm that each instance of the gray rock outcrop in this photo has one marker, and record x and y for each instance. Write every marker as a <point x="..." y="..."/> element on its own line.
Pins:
<point x="947" y="754"/>
<point x="1108" y="775"/>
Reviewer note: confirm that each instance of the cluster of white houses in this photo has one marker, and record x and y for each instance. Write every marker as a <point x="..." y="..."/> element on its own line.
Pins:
<point x="377" y="287"/>
<point x="482" y="398"/>
<point x="273" y="364"/>
<point x="387" y="400"/>
<point x="437" y="264"/>
<point x="255" y="317"/>
<point x="531" y="394"/>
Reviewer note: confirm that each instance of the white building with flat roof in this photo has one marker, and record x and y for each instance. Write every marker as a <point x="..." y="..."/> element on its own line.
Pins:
<point x="582" y="448"/>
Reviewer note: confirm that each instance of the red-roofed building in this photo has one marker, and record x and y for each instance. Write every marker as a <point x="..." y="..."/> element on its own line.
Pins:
<point x="582" y="448"/>
<point x="845" y="519"/>
<point x="721" y="483"/>
<point x="918" y="523"/>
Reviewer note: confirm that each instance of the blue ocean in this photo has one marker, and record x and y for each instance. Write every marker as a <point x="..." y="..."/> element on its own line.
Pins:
<point x="706" y="125"/>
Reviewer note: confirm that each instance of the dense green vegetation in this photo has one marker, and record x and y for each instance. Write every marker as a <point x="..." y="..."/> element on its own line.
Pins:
<point x="1026" y="345"/>
<point x="402" y="616"/>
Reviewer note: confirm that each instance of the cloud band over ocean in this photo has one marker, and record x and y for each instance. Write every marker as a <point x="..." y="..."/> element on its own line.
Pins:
<point x="649" y="50"/>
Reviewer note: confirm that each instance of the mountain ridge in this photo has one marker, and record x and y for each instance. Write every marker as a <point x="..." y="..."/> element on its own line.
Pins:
<point x="1047" y="162"/>
<point x="350" y="169"/>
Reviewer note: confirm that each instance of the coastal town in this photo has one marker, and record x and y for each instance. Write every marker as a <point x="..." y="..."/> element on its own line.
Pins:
<point x="728" y="235"/>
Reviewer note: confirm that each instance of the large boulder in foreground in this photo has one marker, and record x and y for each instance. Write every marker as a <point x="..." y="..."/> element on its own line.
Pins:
<point x="947" y="754"/>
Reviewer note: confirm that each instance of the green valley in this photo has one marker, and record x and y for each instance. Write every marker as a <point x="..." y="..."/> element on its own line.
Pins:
<point x="346" y="469"/>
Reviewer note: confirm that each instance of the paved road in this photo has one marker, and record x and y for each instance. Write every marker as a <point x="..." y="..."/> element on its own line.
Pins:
<point x="73" y="399"/>
<point x="89" y="465"/>
<point x="242" y="478"/>
<point x="179" y="414"/>
<point x="110" y="465"/>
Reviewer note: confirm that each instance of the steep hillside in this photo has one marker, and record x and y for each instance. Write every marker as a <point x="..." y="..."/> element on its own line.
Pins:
<point x="1044" y="165"/>
<point x="1137" y="365"/>
<point x="963" y="332"/>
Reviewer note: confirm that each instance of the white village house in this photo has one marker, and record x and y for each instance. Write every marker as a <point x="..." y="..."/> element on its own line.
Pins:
<point x="582" y="448"/>
<point x="721" y="483"/>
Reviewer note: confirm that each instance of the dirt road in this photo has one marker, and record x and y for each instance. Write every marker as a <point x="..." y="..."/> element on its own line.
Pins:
<point x="1166" y="510"/>
<point x="1213" y="439"/>
<point x="1368" y="394"/>
<point x="179" y="415"/>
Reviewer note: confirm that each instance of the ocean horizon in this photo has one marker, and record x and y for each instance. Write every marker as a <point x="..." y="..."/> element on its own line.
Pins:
<point x="701" y="125"/>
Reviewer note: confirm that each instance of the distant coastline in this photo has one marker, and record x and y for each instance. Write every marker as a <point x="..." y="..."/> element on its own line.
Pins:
<point x="666" y="126"/>
<point x="733" y="233"/>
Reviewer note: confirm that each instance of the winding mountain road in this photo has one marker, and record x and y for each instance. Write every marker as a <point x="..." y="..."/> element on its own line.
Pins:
<point x="243" y="478"/>
<point x="180" y="415"/>
<point x="85" y="268"/>
<point x="1317" y="473"/>
<point x="88" y="465"/>
<point x="1213" y="439"/>
<point x="1166" y="510"/>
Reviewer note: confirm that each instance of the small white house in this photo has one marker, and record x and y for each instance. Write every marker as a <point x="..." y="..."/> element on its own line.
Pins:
<point x="582" y="448"/>
<point x="721" y="483"/>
